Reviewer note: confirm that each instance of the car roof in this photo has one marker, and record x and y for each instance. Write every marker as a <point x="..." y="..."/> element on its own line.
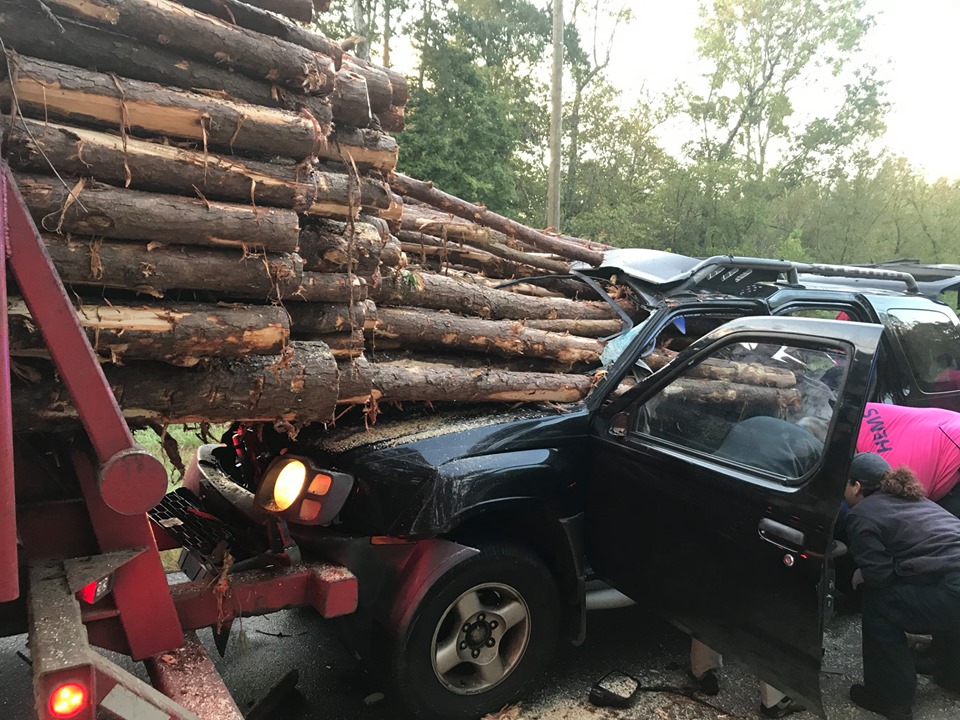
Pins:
<point x="657" y="274"/>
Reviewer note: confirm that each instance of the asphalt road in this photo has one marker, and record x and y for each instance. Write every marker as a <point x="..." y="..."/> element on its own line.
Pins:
<point x="333" y="687"/>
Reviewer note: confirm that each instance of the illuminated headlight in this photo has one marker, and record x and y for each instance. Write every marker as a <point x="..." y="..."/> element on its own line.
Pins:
<point x="296" y="489"/>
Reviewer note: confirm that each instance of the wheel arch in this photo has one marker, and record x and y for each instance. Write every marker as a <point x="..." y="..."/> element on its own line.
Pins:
<point x="558" y="541"/>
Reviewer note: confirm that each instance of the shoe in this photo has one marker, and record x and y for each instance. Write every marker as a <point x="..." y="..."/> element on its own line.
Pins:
<point x="787" y="706"/>
<point x="859" y="695"/>
<point x="708" y="683"/>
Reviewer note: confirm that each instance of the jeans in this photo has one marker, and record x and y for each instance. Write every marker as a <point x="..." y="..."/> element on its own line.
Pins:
<point x="951" y="501"/>
<point x="889" y="613"/>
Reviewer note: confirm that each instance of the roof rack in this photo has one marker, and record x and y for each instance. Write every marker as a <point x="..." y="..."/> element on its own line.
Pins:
<point x="720" y="267"/>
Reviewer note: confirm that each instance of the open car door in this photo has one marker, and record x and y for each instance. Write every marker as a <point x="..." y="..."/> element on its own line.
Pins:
<point x="716" y="483"/>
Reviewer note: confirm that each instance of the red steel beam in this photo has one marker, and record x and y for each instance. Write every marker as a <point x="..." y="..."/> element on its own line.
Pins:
<point x="9" y="575"/>
<point x="120" y="458"/>
<point x="330" y="589"/>
<point x="140" y="588"/>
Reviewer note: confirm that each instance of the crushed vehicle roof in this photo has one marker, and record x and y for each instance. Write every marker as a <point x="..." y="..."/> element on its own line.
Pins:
<point x="655" y="274"/>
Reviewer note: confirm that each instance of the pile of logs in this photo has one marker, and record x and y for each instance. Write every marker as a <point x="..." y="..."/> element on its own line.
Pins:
<point x="215" y="184"/>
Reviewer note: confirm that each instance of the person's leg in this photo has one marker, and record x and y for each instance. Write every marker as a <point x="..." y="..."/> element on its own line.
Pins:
<point x="703" y="658"/>
<point x="769" y="695"/>
<point x="945" y="648"/>
<point x="888" y="671"/>
<point x="704" y="663"/>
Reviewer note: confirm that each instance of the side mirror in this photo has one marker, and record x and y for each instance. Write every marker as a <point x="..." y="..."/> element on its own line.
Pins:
<point x="618" y="424"/>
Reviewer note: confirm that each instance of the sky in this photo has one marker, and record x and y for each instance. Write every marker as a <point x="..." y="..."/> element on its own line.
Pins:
<point x="914" y="43"/>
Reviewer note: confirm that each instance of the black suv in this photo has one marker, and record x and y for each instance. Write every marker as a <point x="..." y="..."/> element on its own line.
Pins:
<point x="702" y="477"/>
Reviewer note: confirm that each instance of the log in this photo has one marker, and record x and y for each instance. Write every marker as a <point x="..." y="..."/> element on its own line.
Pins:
<point x="583" y="328"/>
<point x="33" y="145"/>
<point x="65" y="41"/>
<point x="398" y="83"/>
<point x="343" y="346"/>
<point x="91" y="208"/>
<point x="531" y="263"/>
<point x="298" y="387"/>
<point x="750" y="373"/>
<point x="132" y="266"/>
<point x="333" y="246"/>
<point x="437" y="292"/>
<point x="331" y="287"/>
<point x="339" y="187"/>
<point x="351" y="103"/>
<point x="437" y="256"/>
<point x="48" y="89"/>
<point x="207" y="38"/>
<point x="701" y="391"/>
<point x="240" y="13"/>
<point x="379" y="88"/>
<point x="299" y="10"/>
<point x="355" y="382"/>
<point x="179" y="334"/>
<point x="425" y="192"/>
<point x="397" y="383"/>
<point x="328" y="318"/>
<point x="365" y="148"/>
<point x="420" y="328"/>
<point x="421" y="218"/>
<point x="393" y="119"/>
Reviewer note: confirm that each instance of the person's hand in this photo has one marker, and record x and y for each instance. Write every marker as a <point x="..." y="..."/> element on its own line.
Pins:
<point x="857" y="580"/>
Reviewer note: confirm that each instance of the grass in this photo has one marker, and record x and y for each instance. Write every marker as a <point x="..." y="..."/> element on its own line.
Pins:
<point x="187" y="438"/>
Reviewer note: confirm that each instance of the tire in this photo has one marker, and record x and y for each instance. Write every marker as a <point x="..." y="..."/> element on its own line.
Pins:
<point x="463" y="616"/>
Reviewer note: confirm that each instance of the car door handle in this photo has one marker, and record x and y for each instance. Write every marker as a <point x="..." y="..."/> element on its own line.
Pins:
<point x="783" y="536"/>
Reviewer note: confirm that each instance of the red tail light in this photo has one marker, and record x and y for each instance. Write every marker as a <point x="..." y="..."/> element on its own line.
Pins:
<point x="68" y="700"/>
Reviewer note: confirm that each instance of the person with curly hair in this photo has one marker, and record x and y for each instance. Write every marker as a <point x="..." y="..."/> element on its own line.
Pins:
<point x="907" y="550"/>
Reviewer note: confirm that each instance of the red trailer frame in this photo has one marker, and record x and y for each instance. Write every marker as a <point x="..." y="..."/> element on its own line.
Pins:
<point x="143" y="616"/>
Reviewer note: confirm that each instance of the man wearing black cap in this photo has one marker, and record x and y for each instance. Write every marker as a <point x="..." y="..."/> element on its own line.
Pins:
<point x="907" y="549"/>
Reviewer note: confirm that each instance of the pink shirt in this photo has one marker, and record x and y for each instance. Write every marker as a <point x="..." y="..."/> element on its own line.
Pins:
<point x="926" y="440"/>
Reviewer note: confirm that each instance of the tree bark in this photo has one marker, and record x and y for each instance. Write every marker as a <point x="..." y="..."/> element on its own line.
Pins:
<point x="431" y="251"/>
<point x="426" y="220"/>
<point x="155" y="167"/>
<point x="427" y="193"/>
<point x="207" y="38"/>
<point x="299" y="10"/>
<point x="331" y="287"/>
<point x="90" y="208"/>
<point x="132" y="266"/>
<point x="402" y="384"/>
<point x="351" y="103"/>
<point x="702" y="391"/>
<point x="333" y="246"/>
<point x="393" y="119"/>
<point x="365" y="148"/>
<point x="437" y="292"/>
<point x="240" y="13"/>
<point x="420" y="328"/>
<point x="399" y="88"/>
<point x="48" y="89"/>
<point x="344" y="345"/>
<point x="728" y="371"/>
<point x="308" y="319"/>
<point x="40" y="35"/>
<point x="336" y="186"/>
<point x="297" y="387"/>
<point x="379" y="87"/>
<point x="583" y="328"/>
<point x="179" y="334"/>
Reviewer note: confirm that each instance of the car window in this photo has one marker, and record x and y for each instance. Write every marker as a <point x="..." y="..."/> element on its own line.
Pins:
<point x="760" y="405"/>
<point x="931" y="344"/>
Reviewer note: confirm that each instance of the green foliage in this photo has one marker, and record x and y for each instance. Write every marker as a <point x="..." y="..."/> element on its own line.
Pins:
<point x="476" y="112"/>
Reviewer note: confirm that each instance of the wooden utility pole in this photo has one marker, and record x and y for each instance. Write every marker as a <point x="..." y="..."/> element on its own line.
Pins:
<point x="556" y="107"/>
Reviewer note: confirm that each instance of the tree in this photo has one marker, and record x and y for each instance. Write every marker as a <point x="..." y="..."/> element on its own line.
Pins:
<point x="475" y="122"/>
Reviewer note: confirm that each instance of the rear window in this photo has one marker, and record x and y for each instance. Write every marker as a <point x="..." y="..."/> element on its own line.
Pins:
<point x="932" y="345"/>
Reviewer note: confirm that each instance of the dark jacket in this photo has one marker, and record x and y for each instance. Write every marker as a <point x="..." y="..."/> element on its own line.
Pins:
<point x="893" y="539"/>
